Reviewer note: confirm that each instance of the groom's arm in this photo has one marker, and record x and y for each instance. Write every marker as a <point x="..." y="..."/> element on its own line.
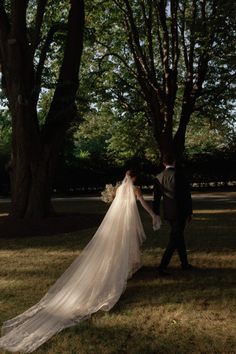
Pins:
<point x="189" y="203"/>
<point x="157" y="194"/>
<point x="184" y="193"/>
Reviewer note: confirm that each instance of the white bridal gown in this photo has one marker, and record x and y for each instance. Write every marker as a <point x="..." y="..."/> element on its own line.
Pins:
<point x="94" y="281"/>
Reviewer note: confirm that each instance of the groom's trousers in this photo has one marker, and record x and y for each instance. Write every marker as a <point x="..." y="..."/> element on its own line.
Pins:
<point x="176" y="242"/>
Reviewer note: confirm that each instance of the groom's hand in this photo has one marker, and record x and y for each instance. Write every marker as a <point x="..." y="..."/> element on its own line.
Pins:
<point x="189" y="219"/>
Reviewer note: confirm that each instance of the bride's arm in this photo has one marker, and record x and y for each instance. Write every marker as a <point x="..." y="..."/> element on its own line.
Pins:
<point x="143" y="202"/>
<point x="156" y="220"/>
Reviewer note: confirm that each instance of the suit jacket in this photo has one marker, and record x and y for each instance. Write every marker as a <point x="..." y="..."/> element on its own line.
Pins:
<point x="173" y="186"/>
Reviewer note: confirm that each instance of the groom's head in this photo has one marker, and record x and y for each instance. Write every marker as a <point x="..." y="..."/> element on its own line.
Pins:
<point x="168" y="160"/>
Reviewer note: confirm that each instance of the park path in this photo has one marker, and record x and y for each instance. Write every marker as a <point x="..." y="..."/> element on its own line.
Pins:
<point x="76" y="213"/>
<point x="224" y="196"/>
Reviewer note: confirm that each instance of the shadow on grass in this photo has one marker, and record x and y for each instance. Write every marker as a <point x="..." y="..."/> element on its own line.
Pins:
<point x="146" y="284"/>
<point x="58" y="224"/>
<point x="94" y="336"/>
<point x="196" y="275"/>
<point x="211" y="230"/>
<point x="201" y="287"/>
<point x="102" y="334"/>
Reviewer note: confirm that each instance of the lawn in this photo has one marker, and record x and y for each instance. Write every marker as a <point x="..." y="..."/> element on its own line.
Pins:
<point x="189" y="312"/>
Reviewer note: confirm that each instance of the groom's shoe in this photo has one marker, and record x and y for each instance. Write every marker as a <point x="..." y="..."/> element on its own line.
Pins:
<point x="188" y="267"/>
<point x="162" y="272"/>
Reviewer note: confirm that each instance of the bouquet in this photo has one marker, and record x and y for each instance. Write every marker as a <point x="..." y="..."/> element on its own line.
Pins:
<point x="109" y="193"/>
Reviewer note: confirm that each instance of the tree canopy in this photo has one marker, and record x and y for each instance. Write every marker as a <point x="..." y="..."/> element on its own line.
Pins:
<point x="195" y="77"/>
<point x="155" y="76"/>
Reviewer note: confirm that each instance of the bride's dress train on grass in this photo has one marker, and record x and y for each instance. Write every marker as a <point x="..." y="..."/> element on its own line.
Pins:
<point x="94" y="281"/>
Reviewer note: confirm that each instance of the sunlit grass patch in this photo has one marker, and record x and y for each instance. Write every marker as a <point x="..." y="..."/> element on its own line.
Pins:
<point x="214" y="211"/>
<point x="189" y="312"/>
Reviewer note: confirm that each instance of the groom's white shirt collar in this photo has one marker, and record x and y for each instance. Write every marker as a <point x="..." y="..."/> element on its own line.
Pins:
<point x="169" y="166"/>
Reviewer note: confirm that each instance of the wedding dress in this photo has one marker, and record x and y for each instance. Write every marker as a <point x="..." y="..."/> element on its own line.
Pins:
<point x="94" y="281"/>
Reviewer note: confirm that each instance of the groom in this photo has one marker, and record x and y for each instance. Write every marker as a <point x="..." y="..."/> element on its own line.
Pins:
<point x="172" y="185"/>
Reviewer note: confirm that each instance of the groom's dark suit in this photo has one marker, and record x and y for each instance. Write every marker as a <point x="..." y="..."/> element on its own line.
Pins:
<point x="172" y="185"/>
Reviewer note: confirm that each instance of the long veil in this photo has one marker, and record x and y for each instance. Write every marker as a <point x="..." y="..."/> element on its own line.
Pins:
<point x="94" y="281"/>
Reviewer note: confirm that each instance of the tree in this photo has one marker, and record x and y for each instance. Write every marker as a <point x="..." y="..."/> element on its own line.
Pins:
<point x="23" y="53"/>
<point x="162" y="51"/>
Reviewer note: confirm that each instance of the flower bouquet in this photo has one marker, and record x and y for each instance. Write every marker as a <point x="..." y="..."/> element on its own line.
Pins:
<point x="109" y="193"/>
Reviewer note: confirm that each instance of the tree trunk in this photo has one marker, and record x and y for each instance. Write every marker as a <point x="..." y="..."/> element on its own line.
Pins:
<point x="31" y="165"/>
<point x="162" y="130"/>
<point x="31" y="195"/>
<point x="39" y="199"/>
<point x="170" y="30"/>
<point x="35" y="149"/>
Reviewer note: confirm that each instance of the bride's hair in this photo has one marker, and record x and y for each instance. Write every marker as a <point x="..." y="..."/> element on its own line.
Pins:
<point x="131" y="173"/>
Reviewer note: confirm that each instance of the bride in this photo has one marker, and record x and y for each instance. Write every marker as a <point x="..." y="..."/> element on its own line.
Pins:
<point x="94" y="281"/>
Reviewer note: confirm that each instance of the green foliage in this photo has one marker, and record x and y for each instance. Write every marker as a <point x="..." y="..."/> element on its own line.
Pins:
<point x="131" y="140"/>
<point x="115" y="123"/>
<point x="90" y="139"/>
<point x="110" y="85"/>
<point x="5" y="134"/>
<point x="210" y="136"/>
<point x="116" y="139"/>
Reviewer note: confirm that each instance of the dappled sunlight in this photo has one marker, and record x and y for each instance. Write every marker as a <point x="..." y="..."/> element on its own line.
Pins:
<point x="153" y="313"/>
<point x="151" y="308"/>
<point x="214" y="211"/>
<point x="201" y="218"/>
<point x="10" y="283"/>
<point x="224" y="258"/>
<point x="38" y="253"/>
<point x="149" y="329"/>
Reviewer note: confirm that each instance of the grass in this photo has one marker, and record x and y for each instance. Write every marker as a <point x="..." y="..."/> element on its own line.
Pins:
<point x="187" y="313"/>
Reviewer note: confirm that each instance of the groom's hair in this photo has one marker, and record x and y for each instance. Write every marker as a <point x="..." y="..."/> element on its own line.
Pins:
<point x="168" y="159"/>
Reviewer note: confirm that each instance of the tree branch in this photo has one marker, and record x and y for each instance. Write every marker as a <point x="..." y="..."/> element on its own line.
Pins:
<point x="161" y="13"/>
<point x="159" y="38"/>
<point x="174" y="35"/>
<point x="4" y="21"/>
<point x="162" y="18"/>
<point x="193" y="90"/>
<point x="192" y="40"/>
<point x="117" y="2"/>
<point x="18" y="12"/>
<point x="4" y="30"/>
<point x="135" y="39"/>
<point x="131" y="87"/>
<point x="148" y="26"/>
<point x="42" y="58"/>
<point x="208" y="41"/>
<point x="182" y="31"/>
<point x="20" y="63"/>
<point x="144" y="76"/>
<point x="126" y="104"/>
<point x="38" y="24"/>
<point x="121" y="59"/>
<point x="63" y="109"/>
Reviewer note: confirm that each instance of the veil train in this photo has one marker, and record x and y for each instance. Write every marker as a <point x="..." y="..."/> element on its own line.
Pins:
<point x="94" y="281"/>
